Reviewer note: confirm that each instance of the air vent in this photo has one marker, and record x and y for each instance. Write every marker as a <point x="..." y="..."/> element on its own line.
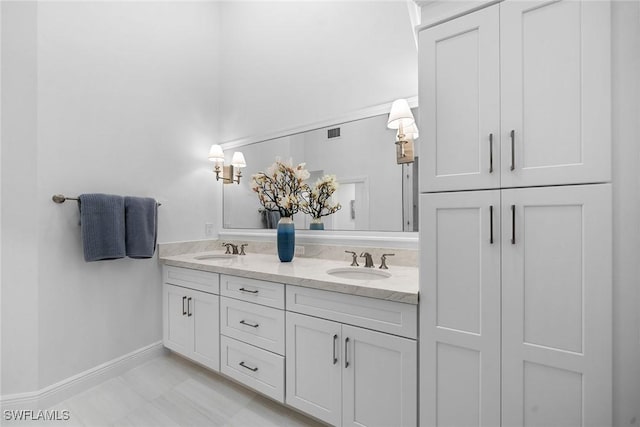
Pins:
<point x="333" y="133"/>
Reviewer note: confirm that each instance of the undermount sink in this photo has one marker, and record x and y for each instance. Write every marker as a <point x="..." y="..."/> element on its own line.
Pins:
<point x="215" y="256"/>
<point x="358" y="273"/>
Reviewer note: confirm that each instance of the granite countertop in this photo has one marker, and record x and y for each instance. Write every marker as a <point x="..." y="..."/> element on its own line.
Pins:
<point x="402" y="286"/>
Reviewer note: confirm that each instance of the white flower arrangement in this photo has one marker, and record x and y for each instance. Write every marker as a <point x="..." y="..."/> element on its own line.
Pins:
<point x="316" y="200"/>
<point x="280" y="188"/>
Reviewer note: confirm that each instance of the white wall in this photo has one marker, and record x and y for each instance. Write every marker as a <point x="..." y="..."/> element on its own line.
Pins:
<point x="19" y="195"/>
<point x="119" y="97"/>
<point x="287" y="64"/>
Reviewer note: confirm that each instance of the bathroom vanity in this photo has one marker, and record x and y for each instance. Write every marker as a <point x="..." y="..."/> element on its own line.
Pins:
<point x="336" y="342"/>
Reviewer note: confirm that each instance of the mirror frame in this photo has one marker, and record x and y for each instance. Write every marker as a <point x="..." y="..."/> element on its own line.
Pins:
<point x="368" y="238"/>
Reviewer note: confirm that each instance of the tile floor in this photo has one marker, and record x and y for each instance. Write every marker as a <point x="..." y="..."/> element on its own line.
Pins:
<point x="170" y="391"/>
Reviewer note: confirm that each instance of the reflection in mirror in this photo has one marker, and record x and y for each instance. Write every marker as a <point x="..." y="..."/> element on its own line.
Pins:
<point x="375" y="192"/>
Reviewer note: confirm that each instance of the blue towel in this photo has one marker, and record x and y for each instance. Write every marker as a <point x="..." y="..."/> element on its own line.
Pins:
<point x="141" y="223"/>
<point x="102" y="226"/>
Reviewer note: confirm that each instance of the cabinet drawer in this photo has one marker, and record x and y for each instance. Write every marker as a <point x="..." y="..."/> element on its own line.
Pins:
<point x="380" y="315"/>
<point x="259" y="369"/>
<point x="252" y="290"/>
<point x="255" y="324"/>
<point x="194" y="279"/>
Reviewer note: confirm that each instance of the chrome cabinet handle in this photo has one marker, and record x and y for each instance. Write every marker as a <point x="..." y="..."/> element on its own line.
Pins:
<point x="513" y="224"/>
<point x="491" y="224"/>
<point x="513" y="149"/>
<point x="335" y="341"/>
<point x="253" y="325"/>
<point x="184" y="311"/>
<point x="189" y="313"/>
<point x="254" y="369"/>
<point x="249" y="290"/>
<point x="346" y="352"/>
<point x="490" y="153"/>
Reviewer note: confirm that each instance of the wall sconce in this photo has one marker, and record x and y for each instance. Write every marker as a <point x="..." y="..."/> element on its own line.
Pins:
<point x="402" y="119"/>
<point x="231" y="173"/>
<point x="405" y="146"/>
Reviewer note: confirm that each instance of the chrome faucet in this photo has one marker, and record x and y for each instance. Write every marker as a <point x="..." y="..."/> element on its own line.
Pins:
<point x="354" y="260"/>
<point x="383" y="261"/>
<point x="368" y="261"/>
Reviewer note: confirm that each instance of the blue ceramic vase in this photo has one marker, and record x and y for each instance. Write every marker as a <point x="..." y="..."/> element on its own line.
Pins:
<point x="286" y="239"/>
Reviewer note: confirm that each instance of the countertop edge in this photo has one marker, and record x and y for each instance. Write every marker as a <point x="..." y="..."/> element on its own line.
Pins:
<point x="333" y="286"/>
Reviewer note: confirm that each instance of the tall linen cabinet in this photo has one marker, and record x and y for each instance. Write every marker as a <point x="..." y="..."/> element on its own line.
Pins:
<point x="515" y="216"/>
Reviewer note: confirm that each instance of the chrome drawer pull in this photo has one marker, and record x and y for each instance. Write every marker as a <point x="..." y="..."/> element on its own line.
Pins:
<point x="513" y="148"/>
<point x="253" y="325"/>
<point x="491" y="224"/>
<point x="490" y="153"/>
<point x="346" y="352"/>
<point x="335" y="341"/>
<point x="248" y="290"/>
<point x="248" y="367"/>
<point x="184" y="311"/>
<point x="513" y="224"/>
<point x="189" y="313"/>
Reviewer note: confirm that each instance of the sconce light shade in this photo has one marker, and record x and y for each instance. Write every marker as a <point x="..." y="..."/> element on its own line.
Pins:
<point x="216" y="154"/>
<point x="400" y="115"/>
<point x="402" y="119"/>
<point x="412" y="132"/>
<point x="237" y="161"/>
<point x="230" y="174"/>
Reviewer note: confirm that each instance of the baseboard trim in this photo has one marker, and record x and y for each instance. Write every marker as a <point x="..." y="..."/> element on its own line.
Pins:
<point x="62" y="390"/>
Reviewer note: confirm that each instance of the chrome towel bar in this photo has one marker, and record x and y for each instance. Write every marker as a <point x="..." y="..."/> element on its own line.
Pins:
<point x="60" y="198"/>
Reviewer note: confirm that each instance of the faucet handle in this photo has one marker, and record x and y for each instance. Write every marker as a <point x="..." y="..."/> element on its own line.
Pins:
<point x="242" y="246"/>
<point x="383" y="261"/>
<point x="354" y="258"/>
<point x="228" y="246"/>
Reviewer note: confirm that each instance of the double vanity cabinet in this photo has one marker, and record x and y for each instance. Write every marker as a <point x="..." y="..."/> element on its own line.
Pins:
<point x="345" y="359"/>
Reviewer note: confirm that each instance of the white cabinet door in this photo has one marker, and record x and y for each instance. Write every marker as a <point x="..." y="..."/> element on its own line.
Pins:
<point x="178" y="330"/>
<point x="460" y="309"/>
<point x="459" y="89"/>
<point x="555" y="90"/>
<point x="379" y="381"/>
<point x="191" y="324"/>
<point x="203" y="309"/>
<point x="556" y="306"/>
<point x="313" y="368"/>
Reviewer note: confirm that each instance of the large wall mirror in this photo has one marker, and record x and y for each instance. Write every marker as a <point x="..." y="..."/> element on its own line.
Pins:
<point x="376" y="193"/>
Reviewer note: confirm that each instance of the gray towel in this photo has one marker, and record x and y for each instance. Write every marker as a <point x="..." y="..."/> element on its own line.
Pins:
<point x="102" y="226"/>
<point x="141" y="223"/>
<point x="272" y="219"/>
